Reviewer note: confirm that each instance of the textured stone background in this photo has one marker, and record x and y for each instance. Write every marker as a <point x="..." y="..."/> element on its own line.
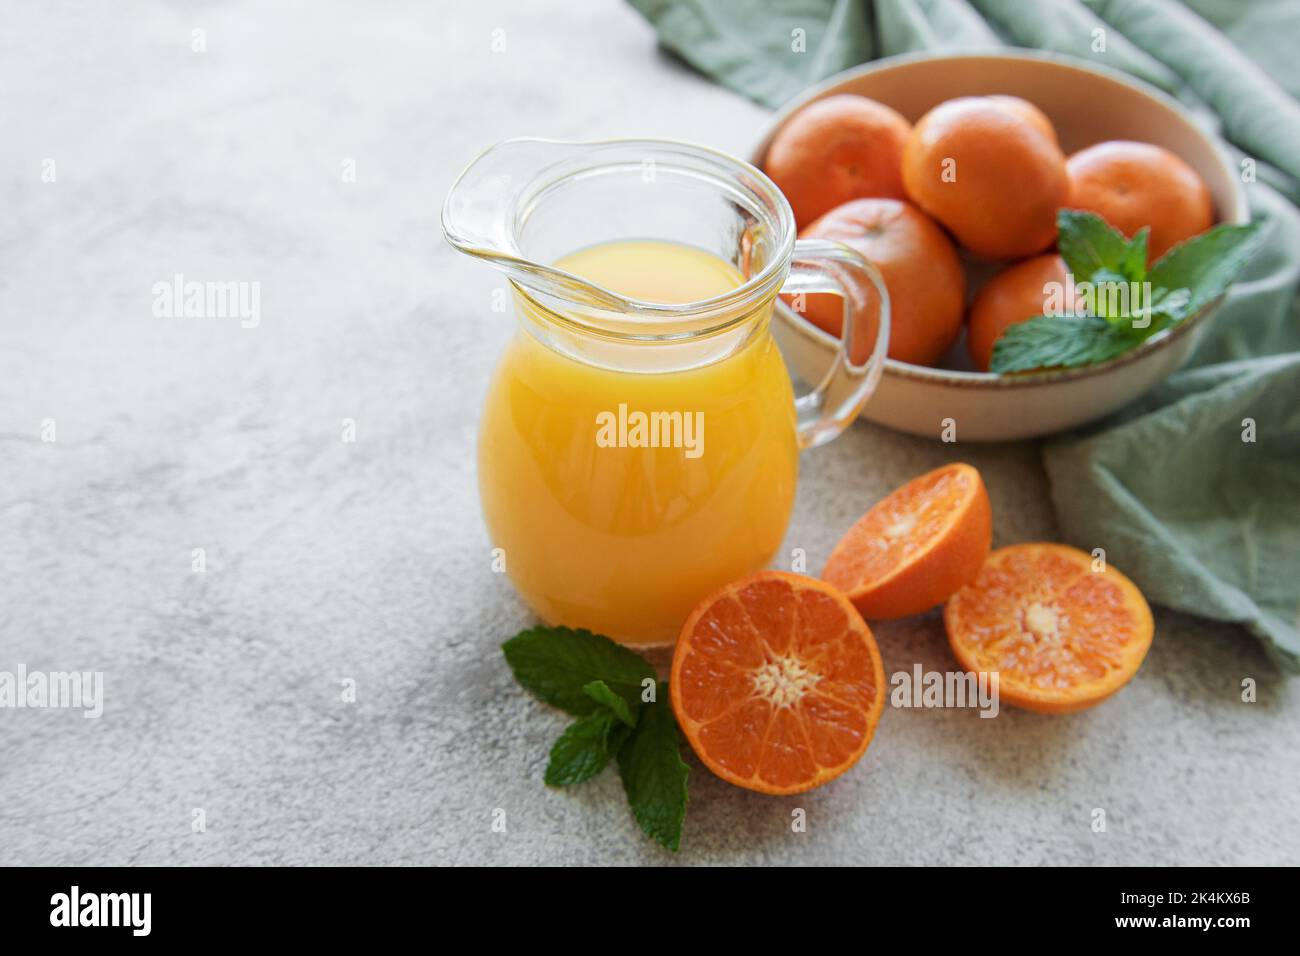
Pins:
<point x="369" y="561"/>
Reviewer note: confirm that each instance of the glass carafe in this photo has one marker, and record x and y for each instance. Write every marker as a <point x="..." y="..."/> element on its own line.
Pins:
<point x="634" y="455"/>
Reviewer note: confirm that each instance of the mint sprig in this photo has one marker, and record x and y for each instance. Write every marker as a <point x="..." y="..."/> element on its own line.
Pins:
<point x="623" y="714"/>
<point x="1182" y="282"/>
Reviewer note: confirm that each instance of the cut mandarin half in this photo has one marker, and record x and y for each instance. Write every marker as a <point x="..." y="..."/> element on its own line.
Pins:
<point x="916" y="546"/>
<point x="777" y="683"/>
<point x="1062" y="632"/>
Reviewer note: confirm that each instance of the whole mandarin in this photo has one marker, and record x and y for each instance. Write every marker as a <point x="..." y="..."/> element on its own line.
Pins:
<point x="927" y="287"/>
<point x="989" y="174"/>
<point x="839" y="148"/>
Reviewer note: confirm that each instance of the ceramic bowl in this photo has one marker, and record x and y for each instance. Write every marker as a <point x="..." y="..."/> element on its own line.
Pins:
<point x="1087" y="104"/>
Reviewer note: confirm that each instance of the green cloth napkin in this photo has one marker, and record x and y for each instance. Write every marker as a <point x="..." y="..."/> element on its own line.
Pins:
<point x="1203" y="520"/>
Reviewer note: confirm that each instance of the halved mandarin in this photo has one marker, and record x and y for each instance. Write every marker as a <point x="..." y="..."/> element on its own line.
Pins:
<point x="777" y="683"/>
<point x="916" y="546"/>
<point x="1063" y="632"/>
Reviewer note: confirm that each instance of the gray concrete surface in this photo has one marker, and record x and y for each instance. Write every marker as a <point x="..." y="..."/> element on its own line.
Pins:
<point x="368" y="561"/>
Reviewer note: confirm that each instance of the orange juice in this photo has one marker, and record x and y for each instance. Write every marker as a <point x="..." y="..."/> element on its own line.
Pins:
<point x="622" y="493"/>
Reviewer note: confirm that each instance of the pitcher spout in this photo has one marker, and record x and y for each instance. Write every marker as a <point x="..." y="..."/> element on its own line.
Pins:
<point x="478" y="213"/>
<point x="488" y="203"/>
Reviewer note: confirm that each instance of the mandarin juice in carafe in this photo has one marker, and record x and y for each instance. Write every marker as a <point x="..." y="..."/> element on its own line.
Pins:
<point x="623" y="533"/>
<point x="639" y="442"/>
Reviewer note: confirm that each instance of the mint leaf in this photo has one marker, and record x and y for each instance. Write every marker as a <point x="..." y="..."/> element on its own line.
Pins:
<point x="1050" y="341"/>
<point x="1088" y="245"/>
<point x="557" y="663"/>
<point x="584" y="749"/>
<point x="1133" y="266"/>
<point x="599" y="691"/>
<point x="1205" y="265"/>
<point x="654" y="776"/>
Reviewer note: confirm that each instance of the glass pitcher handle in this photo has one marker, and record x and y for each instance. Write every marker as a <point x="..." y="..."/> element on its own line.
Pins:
<point x="820" y="265"/>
